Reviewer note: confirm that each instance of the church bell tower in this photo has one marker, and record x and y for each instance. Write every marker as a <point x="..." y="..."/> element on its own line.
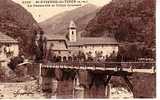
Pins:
<point x="72" y="32"/>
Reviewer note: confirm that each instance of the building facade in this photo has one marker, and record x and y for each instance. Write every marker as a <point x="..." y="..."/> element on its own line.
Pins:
<point x="8" y="48"/>
<point x="100" y="47"/>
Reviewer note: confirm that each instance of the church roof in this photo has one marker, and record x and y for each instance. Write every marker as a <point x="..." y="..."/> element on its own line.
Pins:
<point x="83" y="40"/>
<point x="54" y="37"/>
<point x="6" y="39"/>
<point x="93" y="41"/>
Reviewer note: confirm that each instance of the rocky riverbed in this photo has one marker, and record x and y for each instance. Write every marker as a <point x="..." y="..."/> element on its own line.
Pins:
<point x="24" y="90"/>
<point x="28" y="90"/>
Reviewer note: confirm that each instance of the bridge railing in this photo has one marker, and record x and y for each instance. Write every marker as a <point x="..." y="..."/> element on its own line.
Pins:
<point x="135" y="65"/>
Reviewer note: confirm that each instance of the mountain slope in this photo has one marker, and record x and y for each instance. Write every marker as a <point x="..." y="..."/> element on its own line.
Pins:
<point x="127" y="20"/>
<point x="18" y="23"/>
<point x="59" y="24"/>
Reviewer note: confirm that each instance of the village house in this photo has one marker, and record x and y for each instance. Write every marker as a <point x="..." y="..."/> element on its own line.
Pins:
<point x="8" y="48"/>
<point x="57" y="46"/>
<point x="89" y="46"/>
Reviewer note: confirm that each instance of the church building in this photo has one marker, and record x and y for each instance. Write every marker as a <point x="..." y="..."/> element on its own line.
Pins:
<point x="89" y="46"/>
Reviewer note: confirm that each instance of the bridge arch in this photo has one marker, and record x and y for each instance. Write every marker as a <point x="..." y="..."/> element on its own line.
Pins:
<point x="93" y="75"/>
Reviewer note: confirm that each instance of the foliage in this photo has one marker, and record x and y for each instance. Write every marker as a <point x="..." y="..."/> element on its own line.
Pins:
<point x="128" y="21"/>
<point x="40" y="46"/>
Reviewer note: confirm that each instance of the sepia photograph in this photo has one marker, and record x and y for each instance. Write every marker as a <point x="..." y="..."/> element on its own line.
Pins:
<point x="78" y="49"/>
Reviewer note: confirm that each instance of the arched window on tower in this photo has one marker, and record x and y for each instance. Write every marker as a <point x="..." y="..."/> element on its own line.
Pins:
<point x="72" y="32"/>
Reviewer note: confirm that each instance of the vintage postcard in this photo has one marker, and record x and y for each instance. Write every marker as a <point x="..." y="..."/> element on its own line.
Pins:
<point x="77" y="49"/>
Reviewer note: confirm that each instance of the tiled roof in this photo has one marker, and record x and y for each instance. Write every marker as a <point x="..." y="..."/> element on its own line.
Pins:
<point x="54" y="37"/>
<point x="84" y="40"/>
<point x="93" y="41"/>
<point x="6" y="39"/>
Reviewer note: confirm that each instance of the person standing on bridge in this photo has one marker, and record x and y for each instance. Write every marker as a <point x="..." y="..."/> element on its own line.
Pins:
<point x="113" y="56"/>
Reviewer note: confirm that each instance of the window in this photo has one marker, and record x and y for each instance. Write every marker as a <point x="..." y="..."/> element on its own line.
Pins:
<point x="72" y="32"/>
<point x="85" y="46"/>
<point x="59" y="52"/>
<point x="95" y="52"/>
<point x="8" y="45"/>
<point x="101" y="52"/>
<point x="51" y="45"/>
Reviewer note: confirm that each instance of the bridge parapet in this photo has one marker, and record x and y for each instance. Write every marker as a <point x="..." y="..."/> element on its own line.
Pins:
<point x="144" y="67"/>
<point x="94" y="72"/>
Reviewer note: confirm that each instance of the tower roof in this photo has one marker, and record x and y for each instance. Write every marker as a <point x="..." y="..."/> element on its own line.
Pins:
<point x="72" y="24"/>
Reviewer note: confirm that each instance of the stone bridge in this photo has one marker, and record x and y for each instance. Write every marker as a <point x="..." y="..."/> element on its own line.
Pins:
<point x="94" y="78"/>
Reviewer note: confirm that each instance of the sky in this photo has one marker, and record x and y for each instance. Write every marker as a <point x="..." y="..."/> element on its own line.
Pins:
<point x="43" y="13"/>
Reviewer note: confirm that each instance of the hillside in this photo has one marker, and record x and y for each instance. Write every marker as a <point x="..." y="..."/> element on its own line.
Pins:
<point x="18" y="23"/>
<point x="127" y="20"/>
<point x="59" y="24"/>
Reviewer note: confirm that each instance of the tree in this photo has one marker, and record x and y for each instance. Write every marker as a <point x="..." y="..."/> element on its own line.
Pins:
<point x="123" y="31"/>
<point x="40" y="46"/>
<point x="133" y="52"/>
